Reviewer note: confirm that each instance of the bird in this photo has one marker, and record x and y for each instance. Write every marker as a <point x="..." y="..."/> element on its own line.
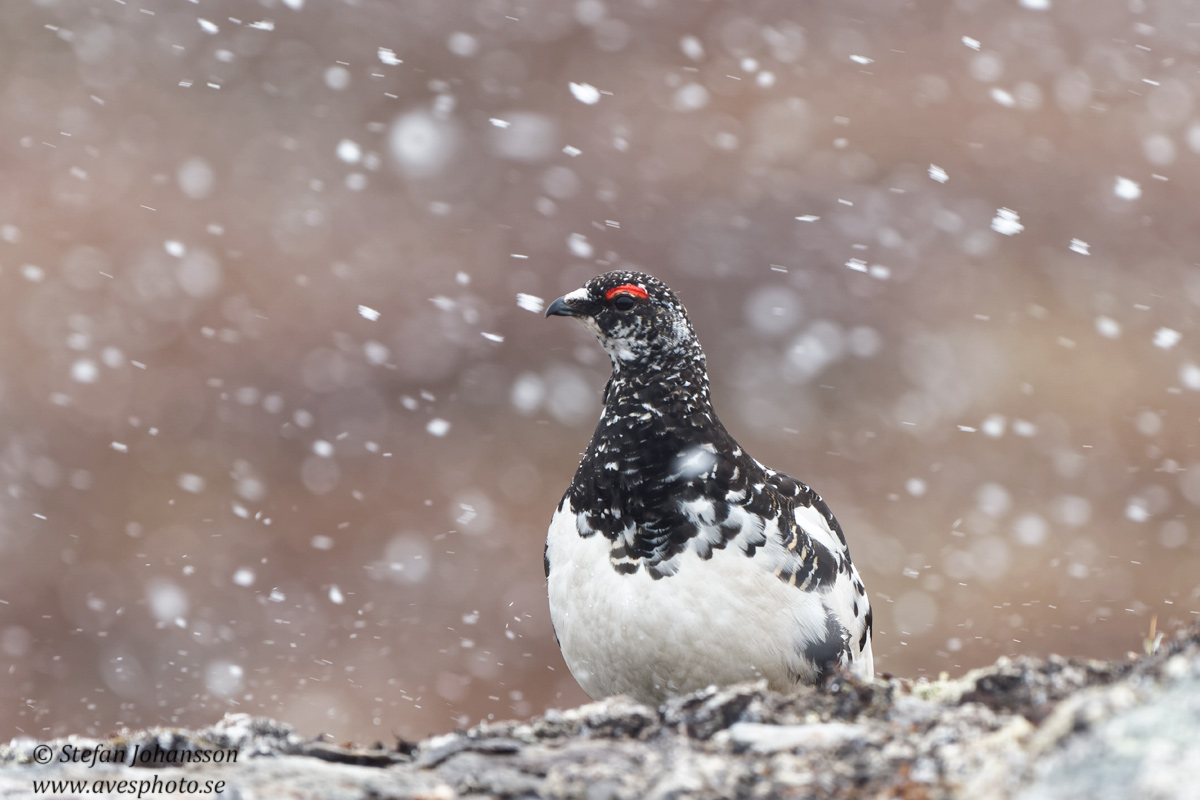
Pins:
<point x="675" y="560"/>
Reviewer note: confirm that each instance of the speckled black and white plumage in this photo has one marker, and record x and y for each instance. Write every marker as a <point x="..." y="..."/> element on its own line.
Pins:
<point x="675" y="560"/>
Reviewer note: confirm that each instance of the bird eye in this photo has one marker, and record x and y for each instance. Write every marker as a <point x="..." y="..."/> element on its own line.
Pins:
<point x="624" y="302"/>
<point x="625" y="296"/>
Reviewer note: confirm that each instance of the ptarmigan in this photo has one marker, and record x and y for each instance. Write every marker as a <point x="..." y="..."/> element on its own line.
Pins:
<point x="675" y="560"/>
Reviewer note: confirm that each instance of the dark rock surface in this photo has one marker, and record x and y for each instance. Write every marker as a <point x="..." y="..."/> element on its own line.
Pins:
<point x="1023" y="728"/>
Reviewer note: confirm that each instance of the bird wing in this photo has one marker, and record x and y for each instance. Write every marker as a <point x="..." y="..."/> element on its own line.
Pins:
<point x="802" y="544"/>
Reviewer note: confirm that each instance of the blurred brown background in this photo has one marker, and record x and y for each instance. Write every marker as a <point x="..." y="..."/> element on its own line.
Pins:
<point x="280" y="432"/>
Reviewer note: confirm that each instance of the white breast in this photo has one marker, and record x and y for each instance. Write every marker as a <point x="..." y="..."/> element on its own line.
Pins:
<point x="716" y="621"/>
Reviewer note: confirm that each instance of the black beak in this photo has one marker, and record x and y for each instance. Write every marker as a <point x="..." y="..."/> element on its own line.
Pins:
<point x="559" y="308"/>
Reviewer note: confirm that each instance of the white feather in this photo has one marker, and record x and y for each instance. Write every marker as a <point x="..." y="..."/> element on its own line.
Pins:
<point x="714" y="621"/>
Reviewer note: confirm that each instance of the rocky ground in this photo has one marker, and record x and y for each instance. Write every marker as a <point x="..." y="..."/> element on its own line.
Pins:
<point x="1023" y="728"/>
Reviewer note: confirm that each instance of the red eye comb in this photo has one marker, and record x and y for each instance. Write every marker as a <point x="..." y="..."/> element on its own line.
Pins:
<point x="626" y="288"/>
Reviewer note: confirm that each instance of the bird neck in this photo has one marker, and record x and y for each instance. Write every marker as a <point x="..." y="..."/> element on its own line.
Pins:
<point x="672" y="389"/>
<point x="657" y="432"/>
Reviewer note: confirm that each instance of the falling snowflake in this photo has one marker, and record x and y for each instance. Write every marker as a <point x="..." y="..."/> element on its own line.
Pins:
<point x="1127" y="189"/>
<point x="1108" y="327"/>
<point x="1025" y="428"/>
<point x="579" y="246"/>
<point x="1080" y="246"/>
<point x="85" y="370"/>
<point x="388" y="56"/>
<point x="191" y="482"/>
<point x="1189" y="376"/>
<point x="585" y="93"/>
<point x="1166" y="338"/>
<point x="938" y="174"/>
<point x="692" y="47"/>
<point x="530" y="302"/>
<point x="349" y="151"/>
<point x="993" y="425"/>
<point x="1136" y="511"/>
<point x="366" y="312"/>
<point x="1007" y="222"/>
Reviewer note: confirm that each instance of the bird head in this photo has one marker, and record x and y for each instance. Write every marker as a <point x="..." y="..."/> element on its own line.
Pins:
<point x="635" y="317"/>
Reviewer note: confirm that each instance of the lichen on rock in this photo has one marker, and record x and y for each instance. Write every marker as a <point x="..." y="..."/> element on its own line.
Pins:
<point x="1023" y="728"/>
